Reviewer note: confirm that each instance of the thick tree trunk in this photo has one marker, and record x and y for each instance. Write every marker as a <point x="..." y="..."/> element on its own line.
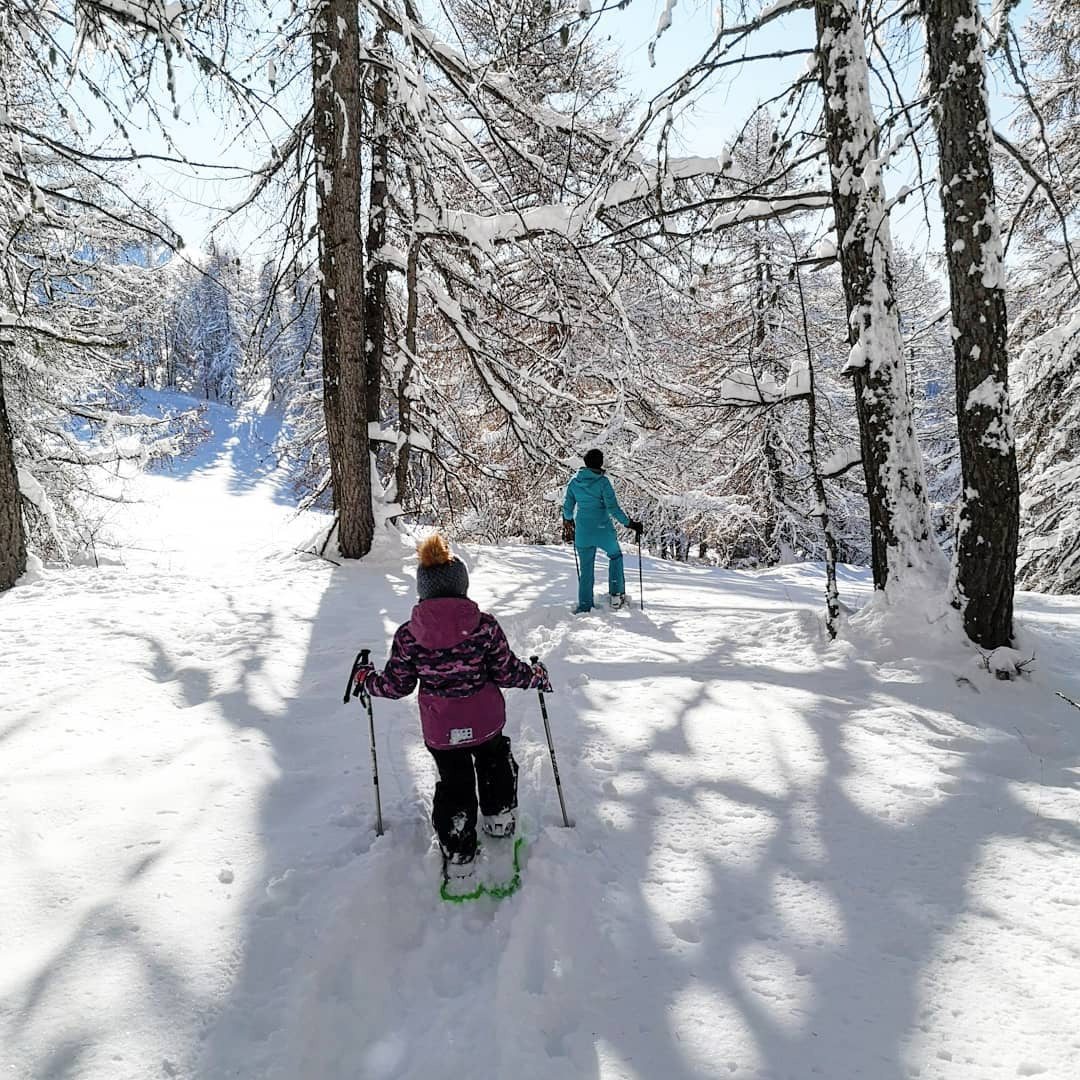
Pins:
<point x="375" y="314"/>
<point x="988" y="525"/>
<point x="895" y="487"/>
<point x="12" y="537"/>
<point x="336" y="87"/>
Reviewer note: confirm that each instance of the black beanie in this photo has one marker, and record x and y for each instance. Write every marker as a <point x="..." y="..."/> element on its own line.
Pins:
<point x="594" y="459"/>
<point x="439" y="573"/>
<point x="442" y="579"/>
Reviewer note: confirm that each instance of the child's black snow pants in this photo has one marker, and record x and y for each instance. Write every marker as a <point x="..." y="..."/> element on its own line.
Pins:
<point x="491" y="768"/>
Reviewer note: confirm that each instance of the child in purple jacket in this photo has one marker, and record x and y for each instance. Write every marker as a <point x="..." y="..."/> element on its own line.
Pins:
<point x="460" y="657"/>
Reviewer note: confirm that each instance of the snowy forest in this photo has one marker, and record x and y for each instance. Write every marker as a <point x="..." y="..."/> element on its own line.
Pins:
<point x="513" y="262"/>
<point x="805" y="271"/>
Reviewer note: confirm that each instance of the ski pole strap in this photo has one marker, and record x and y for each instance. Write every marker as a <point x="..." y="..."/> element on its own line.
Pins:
<point x="350" y="686"/>
<point x="352" y="690"/>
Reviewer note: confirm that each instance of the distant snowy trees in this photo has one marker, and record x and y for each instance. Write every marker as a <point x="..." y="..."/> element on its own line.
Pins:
<point x="69" y="282"/>
<point x="1049" y="382"/>
<point x="1041" y="207"/>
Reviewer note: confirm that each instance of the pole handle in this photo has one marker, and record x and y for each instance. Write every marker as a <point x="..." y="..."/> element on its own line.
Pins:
<point x="358" y="691"/>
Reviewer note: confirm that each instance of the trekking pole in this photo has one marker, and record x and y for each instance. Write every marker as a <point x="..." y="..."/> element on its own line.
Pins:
<point x="352" y="690"/>
<point x="640" y="578"/>
<point x="577" y="565"/>
<point x="551" y="747"/>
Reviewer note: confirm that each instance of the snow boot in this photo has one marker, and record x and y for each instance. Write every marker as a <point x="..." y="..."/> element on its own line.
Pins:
<point x="617" y="600"/>
<point x="459" y="877"/>
<point x="458" y="865"/>
<point x="499" y="825"/>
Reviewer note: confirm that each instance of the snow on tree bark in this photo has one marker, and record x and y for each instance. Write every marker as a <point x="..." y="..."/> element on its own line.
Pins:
<point x="375" y="309"/>
<point x="12" y="537"/>
<point x="404" y="399"/>
<point x="901" y="536"/>
<point x="988" y="524"/>
<point x="337" y="105"/>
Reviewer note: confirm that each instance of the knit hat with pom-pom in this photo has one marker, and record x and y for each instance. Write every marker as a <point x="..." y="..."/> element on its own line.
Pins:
<point x="439" y="572"/>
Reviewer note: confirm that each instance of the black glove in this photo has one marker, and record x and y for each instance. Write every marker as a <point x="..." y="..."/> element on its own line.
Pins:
<point x="636" y="527"/>
<point x="568" y="530"/>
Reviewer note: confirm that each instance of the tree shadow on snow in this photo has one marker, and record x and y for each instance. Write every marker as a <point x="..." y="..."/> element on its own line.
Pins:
<point x="729" y="882"/>
<point x="353" y="966"/>
<point x="819" y="928"/>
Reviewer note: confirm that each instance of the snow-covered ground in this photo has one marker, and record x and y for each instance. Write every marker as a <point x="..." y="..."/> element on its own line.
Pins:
<point x="790" y="860"/>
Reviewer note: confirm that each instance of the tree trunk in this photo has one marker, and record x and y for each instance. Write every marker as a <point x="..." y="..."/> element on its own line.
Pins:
<point x="375" y="287"/>
<point x="401" y="471"/>
<point x="335" y="45"/>
<point x="832" y="593"/>
<point x="765" y="298"/>
<point x="987" y="532"/>
<point x="774" y="480"/>
<point x="12" y="537"/>
<point x="895" y="488"/>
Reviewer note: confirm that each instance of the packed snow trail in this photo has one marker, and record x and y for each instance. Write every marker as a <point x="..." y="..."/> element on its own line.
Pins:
<point x="789" y="859"/>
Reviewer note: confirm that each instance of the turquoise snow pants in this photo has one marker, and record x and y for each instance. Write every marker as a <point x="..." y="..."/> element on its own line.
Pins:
<point x="616" y="581"/>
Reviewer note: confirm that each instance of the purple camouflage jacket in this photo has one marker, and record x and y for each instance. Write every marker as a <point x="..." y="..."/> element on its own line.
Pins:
<point x="460" y="656"/>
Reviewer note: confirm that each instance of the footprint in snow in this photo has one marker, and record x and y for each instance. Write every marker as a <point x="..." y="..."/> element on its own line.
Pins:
<point x="686" y="930"/>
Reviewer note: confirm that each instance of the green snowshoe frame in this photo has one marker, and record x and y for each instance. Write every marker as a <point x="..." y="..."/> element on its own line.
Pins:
<point x="496" y="892"/>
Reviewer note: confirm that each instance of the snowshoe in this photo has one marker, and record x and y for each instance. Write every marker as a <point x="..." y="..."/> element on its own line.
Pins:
<point x="497" y="873"/>
<point x="617" y="600"/>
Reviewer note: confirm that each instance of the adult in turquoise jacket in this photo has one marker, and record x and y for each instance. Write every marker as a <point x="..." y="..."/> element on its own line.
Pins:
<point x="588" y="508"/>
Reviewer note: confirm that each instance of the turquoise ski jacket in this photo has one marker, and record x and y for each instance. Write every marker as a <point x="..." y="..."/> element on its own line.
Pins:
<point x="594" y="497"/>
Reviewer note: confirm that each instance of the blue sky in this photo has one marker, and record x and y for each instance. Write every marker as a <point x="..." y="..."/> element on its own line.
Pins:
<point x="703" y="128"/>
